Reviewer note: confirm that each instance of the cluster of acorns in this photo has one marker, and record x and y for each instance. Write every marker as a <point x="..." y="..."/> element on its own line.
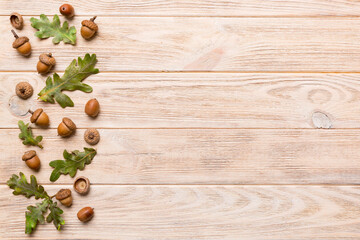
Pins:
<point x="67" y="127"/>
<point x="23" y="46"/>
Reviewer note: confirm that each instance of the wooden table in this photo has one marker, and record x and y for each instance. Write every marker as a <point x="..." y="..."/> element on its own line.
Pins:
<point x="214" y="121"/>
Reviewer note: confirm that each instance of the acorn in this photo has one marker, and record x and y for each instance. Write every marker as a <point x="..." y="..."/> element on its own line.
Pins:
<point x="16" y="20"/>
<point x="92" y="136"/>
<point x="22" y="44"/>
<point x="67" y="10"/>
<point x="45" y="63"/>
<point x="89" y="28"/>
<point x="39" y="117"/>
<point x="82" y="185"/>
<point x="31" y="159"/>
<point x="66" y="127"/>
<point x="92" y="107"/>
<point x="85" y="214"/>
<point x="24" y="90"/>
<point x="64" y="196"/>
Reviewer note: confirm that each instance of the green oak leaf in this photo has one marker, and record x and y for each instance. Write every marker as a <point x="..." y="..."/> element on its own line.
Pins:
<point x="22" y="187"/>
<point x="73" y="161"/>
<point x="54" y="216"/>
<point x="27" y="136"/>
<point x="35" y="215"/>
<point x="48" y="29"/>
<point x="72" y="79"/>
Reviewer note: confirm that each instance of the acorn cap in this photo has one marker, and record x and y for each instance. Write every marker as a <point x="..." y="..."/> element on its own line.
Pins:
<point x="47" y="59"/>
<point x="90" y="24"/>
<point x="70" y="124"/>
<point x="82" y="185"/>
<point x="36" y="115"/>
<point x="24" y="90"/>
<point x="16" y="20"/>
<point x="28" y="155"/>
<point x="63" y="193"/>
<point x="92" y="136"/>
<point x="20" y="41"/>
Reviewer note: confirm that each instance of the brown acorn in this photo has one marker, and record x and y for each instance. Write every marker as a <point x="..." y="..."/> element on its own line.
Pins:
<point x="85" y="214"/>
<point x="22" y="44"/>
<point x="24" y="90"/>
<point x="39" y="117"/>
<point x="82" y="185"/>
<point x="45" y="63"/>
<point x="64" y="196"/>
<point x="67" y="10"/>
<point x="31" y="159"/>
<point x="92" y="107"/>
<point x="89" y="28"/>
<point x="16" y="20"/>
<point x="66" y="127"/>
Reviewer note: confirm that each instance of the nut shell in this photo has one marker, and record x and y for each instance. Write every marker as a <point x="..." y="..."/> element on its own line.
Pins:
<point x="64" y="196"/>
<point x="92" y="107"/>
<point x="16" y="20"/>
<point x="24" y="90"/>
<point x="20" y="41"/>
<point x="36" y="115"/>
<point x="92" y="136"/>
<point x="25" y="49"/>
<point x="85" y="214"/>
<point x="39" y="117"/>
<point x="47" y="59"/>
<point x="66" y="127"/>
<point x="69" y="123"/>
<point x="90" y="24"/>
<point x="63" y="193"/>
<point x="67" y="10"/>
<point x="28" y="155"/>
<point x="31" y="159"/>
<point x="82" y="185"/>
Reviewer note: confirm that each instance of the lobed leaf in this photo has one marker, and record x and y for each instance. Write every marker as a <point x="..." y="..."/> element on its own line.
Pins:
<point x="72" y="79"/>
<point x="35" y="215"/>
<point x="27" y="136"/>
<point x="21" y="186"/>
<point x="73" y="161"/>
<point x="48" y="29"/>
<point x="54" y="216"/>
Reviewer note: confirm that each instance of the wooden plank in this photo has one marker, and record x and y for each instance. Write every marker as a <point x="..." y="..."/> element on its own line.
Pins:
<point x="198" y="212"/>
<point x="190" y="8"/>
<point x="197" y="100"/>
<point x="199" y="156"/>
<point x="203" y="44"/>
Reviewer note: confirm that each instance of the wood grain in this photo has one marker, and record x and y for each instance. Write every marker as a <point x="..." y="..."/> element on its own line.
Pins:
<point x="197" y="100"/>
<point x="202" y="44"/>
<point x="199" y="156"/>
<point x="198" y="212"/>
<point x="190" y="8"/>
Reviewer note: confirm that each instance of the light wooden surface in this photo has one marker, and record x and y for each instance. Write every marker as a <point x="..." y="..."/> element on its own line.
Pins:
<point x="219" y="120"/>
<point x="202" y="212"/>
<point x="198" y="100"/>
<point x="203" y="44"/>
<point x="202" y="156"/>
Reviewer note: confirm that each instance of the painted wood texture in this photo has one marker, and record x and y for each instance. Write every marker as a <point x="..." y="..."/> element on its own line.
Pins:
<point x="200" y="156"/>
<point x="197" y="100"/>
<point x="203" y="44"/>
<point x="190" y="8"/>
<point x="199" y="212"/>
<point x="209" y="119"/>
